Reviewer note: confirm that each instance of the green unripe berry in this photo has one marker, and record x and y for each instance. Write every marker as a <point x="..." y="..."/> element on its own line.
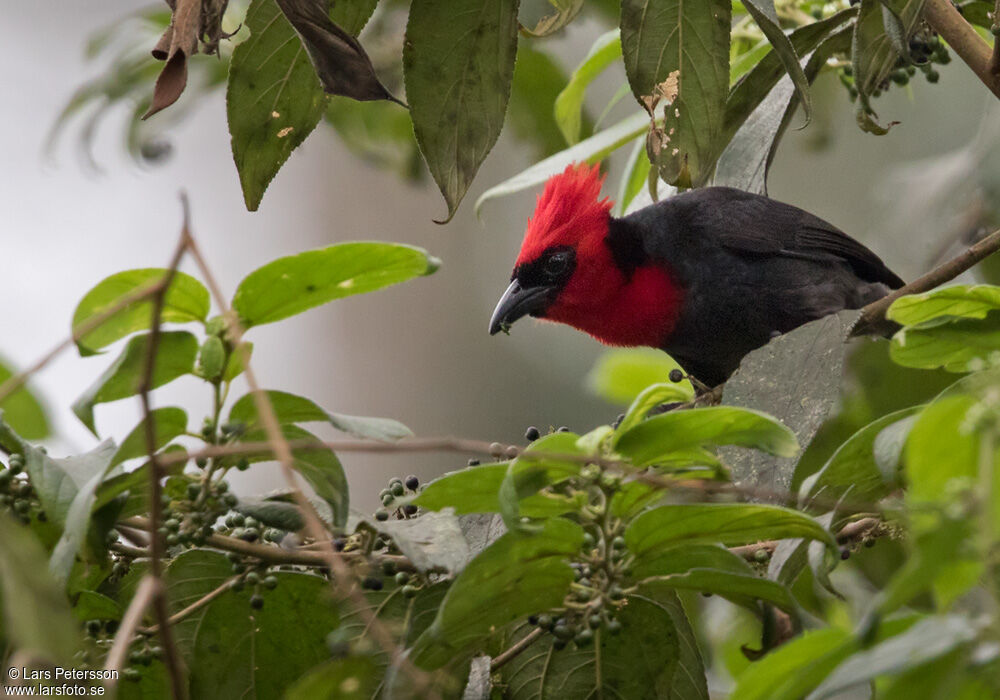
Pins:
<point x="588" y="541"/>
<point x="269" y="582"/>
<point x="6" y="476"/>
<point x="230" y="500"/>
<point x="172" y="524"/>
<point x="173" y="540"/>
<point x="201" y="462"/>
<point x="252" y="578"/>
<point x="545" y="622"/>
<point x="616" y="592"/>
<point x="381" y="515"/>
<point x="410" y="591"/>
<point x="618" y="542"/>
<point x="614" y="627"/>
<point x="256" y="601"/>
<point x="387" y="500"/>
<point x="761" y="555"/>
<point x="251" y="522"/>
<point x="594" y="621"/>
<point x="933" y="76"/>
<point x="584" y="637"/>
<point x="193" y="490"/>
<point x="397" y="488"/>
<point x="16" y="463"/>
<point x="243" y="464"/>
<point x="563" y="631"/>
<point x="402" y="578"/>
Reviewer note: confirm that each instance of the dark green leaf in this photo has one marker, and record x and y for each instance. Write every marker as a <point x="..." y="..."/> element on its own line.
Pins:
<point x="569" y="104"/>
<point x="36" y="615"/>
<point x="23" y="411"/>
<point x="241" y="653"/>
<point x="477" y="490"/>
<point x="458" y="62"/>
<point x="730" y="524"/>
<point x="342" y="65"/>
<point x="290" y="408"/>
<point x="189" y="577"/>
<point x="660" y="37"/>
<point x="766" y="17"/>
<point x="186" y="300"/>
<point x="285" y="516"/>
<point x="623" y="374"/>
<point x="516" y="575"/>
<point x="655" y="656"/>
<point x="168" y="422"/>
<point x="95" y="606"/>
<point x="136" y="484"/>
<point x="175" y="356"/>
<point x="57" y="481"/>
<point x="526" y="476"/>
<point x="274" y="99"/>
<point x="291" y="285"/>
<point x="658" y="437"/>
<point x="976" y="12"/>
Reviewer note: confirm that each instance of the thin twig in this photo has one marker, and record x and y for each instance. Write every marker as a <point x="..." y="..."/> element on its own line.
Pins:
<point x="873" y="316"/>
<point x="960" y="35"/>
<point x="857" y="531"/>
<point x="171" y="658"/>
<point x="515" y="649"/>
<point x="148" y="589"/>
<point x="344" y="581"/>
<point x="196" y="605"/>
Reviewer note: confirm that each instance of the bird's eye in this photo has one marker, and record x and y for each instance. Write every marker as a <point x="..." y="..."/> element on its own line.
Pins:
<point x="556" y="264"/>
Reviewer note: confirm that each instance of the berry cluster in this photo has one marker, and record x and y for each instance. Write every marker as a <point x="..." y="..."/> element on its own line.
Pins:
<point x="16" y="494"/>
<point x="398" y="488"/>
<point x="252" y="573"/>
<point x="926" y="51"/>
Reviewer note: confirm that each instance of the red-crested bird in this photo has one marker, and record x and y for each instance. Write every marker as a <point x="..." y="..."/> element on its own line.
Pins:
<point x="707" y="275"/>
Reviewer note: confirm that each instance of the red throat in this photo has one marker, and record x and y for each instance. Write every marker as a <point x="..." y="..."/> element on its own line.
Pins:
<point x="600" y="298"/>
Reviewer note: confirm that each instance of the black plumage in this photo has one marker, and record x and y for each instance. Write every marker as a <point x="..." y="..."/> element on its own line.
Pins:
<point x="749" y="267"/>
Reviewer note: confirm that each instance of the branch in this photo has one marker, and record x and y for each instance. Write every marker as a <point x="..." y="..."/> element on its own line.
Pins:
<point x="873" y="316"/>
<point x="515" y="649"/>
<point x="853" y="532"/>
<point x="200" y="603"/>
<point x="148" y="589"/>
<point x="171" y="658"/>
<point x="960" y="35"/>
<point x="344" y="581"/>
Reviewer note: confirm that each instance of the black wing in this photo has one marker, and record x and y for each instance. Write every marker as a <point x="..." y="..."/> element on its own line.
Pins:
<point x="755" y="225"/>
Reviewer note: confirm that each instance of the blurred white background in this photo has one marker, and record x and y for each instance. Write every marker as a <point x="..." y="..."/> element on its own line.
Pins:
<point x="418" y="352"/>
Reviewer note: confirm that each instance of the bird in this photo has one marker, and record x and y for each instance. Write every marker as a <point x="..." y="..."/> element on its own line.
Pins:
<point x="707" y="275"/>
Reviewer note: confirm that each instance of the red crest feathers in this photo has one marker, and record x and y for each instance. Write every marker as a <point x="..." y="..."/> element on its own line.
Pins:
<point x="568" y="211"/>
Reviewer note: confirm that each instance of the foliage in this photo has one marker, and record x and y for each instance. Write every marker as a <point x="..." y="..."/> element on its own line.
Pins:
<point x="566" y="567"/>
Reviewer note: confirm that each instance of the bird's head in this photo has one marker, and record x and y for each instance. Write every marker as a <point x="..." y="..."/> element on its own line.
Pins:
<point x="571" y="269"/>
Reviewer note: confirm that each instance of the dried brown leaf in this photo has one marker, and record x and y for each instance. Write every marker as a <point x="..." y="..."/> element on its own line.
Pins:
<point x="340" y="61"/>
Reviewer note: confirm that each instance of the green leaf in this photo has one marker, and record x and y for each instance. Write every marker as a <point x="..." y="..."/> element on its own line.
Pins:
<point x="274" y="99"/>
<point x="318" y="465"/>
<point x="655" y="656"/>
<point x="796" y="667"/>
<point x="36" y="615"/>
<point x="650" y="398"/>
<point x="731" y="524"/>
<point x="674" y="431"/>
<point x="932" y="460"/>
<point x="273" y="513"/>
<point x="712" y="569"/>
<point x="168" y="422"/>
<point x="91" y="605"/>
<point x="636" y="177"/>
<point x="928" y="639"/>
<point x="175" y="356"/>
<point x="240" y="652"/>
<point x="477" y="490"/>
<point x="516" y="575"/>
<point x="753" y="88"/>
<point x="186" y="300"/>
<point x="136" y="484"/>
<point x="190" y="576"/>
<point x="293" y="284"/>
<point x="964" y="345"/>
<point x="352" y="678"/>
<point x="537" y="81"/>
<point x="526" y="477"/>
<point x="23" y="411"/>
<point x="853" y="471"/>
<point x="590" y="150"/>
<point x="434" y="541"/>
<point x="77" y="517"/>
<point x="458" y="62"/>
<point x="976" y="12"/>
<point x="569" y="104"/>
<point x="766" y="17"/>
<point x="959" y="301"/>
<point x="663" y="36"/>
<point x="57" y="481"/>
<point x="291" y="408"/>
<point x="234" y="364"/>
<point x="621" y="375"/>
